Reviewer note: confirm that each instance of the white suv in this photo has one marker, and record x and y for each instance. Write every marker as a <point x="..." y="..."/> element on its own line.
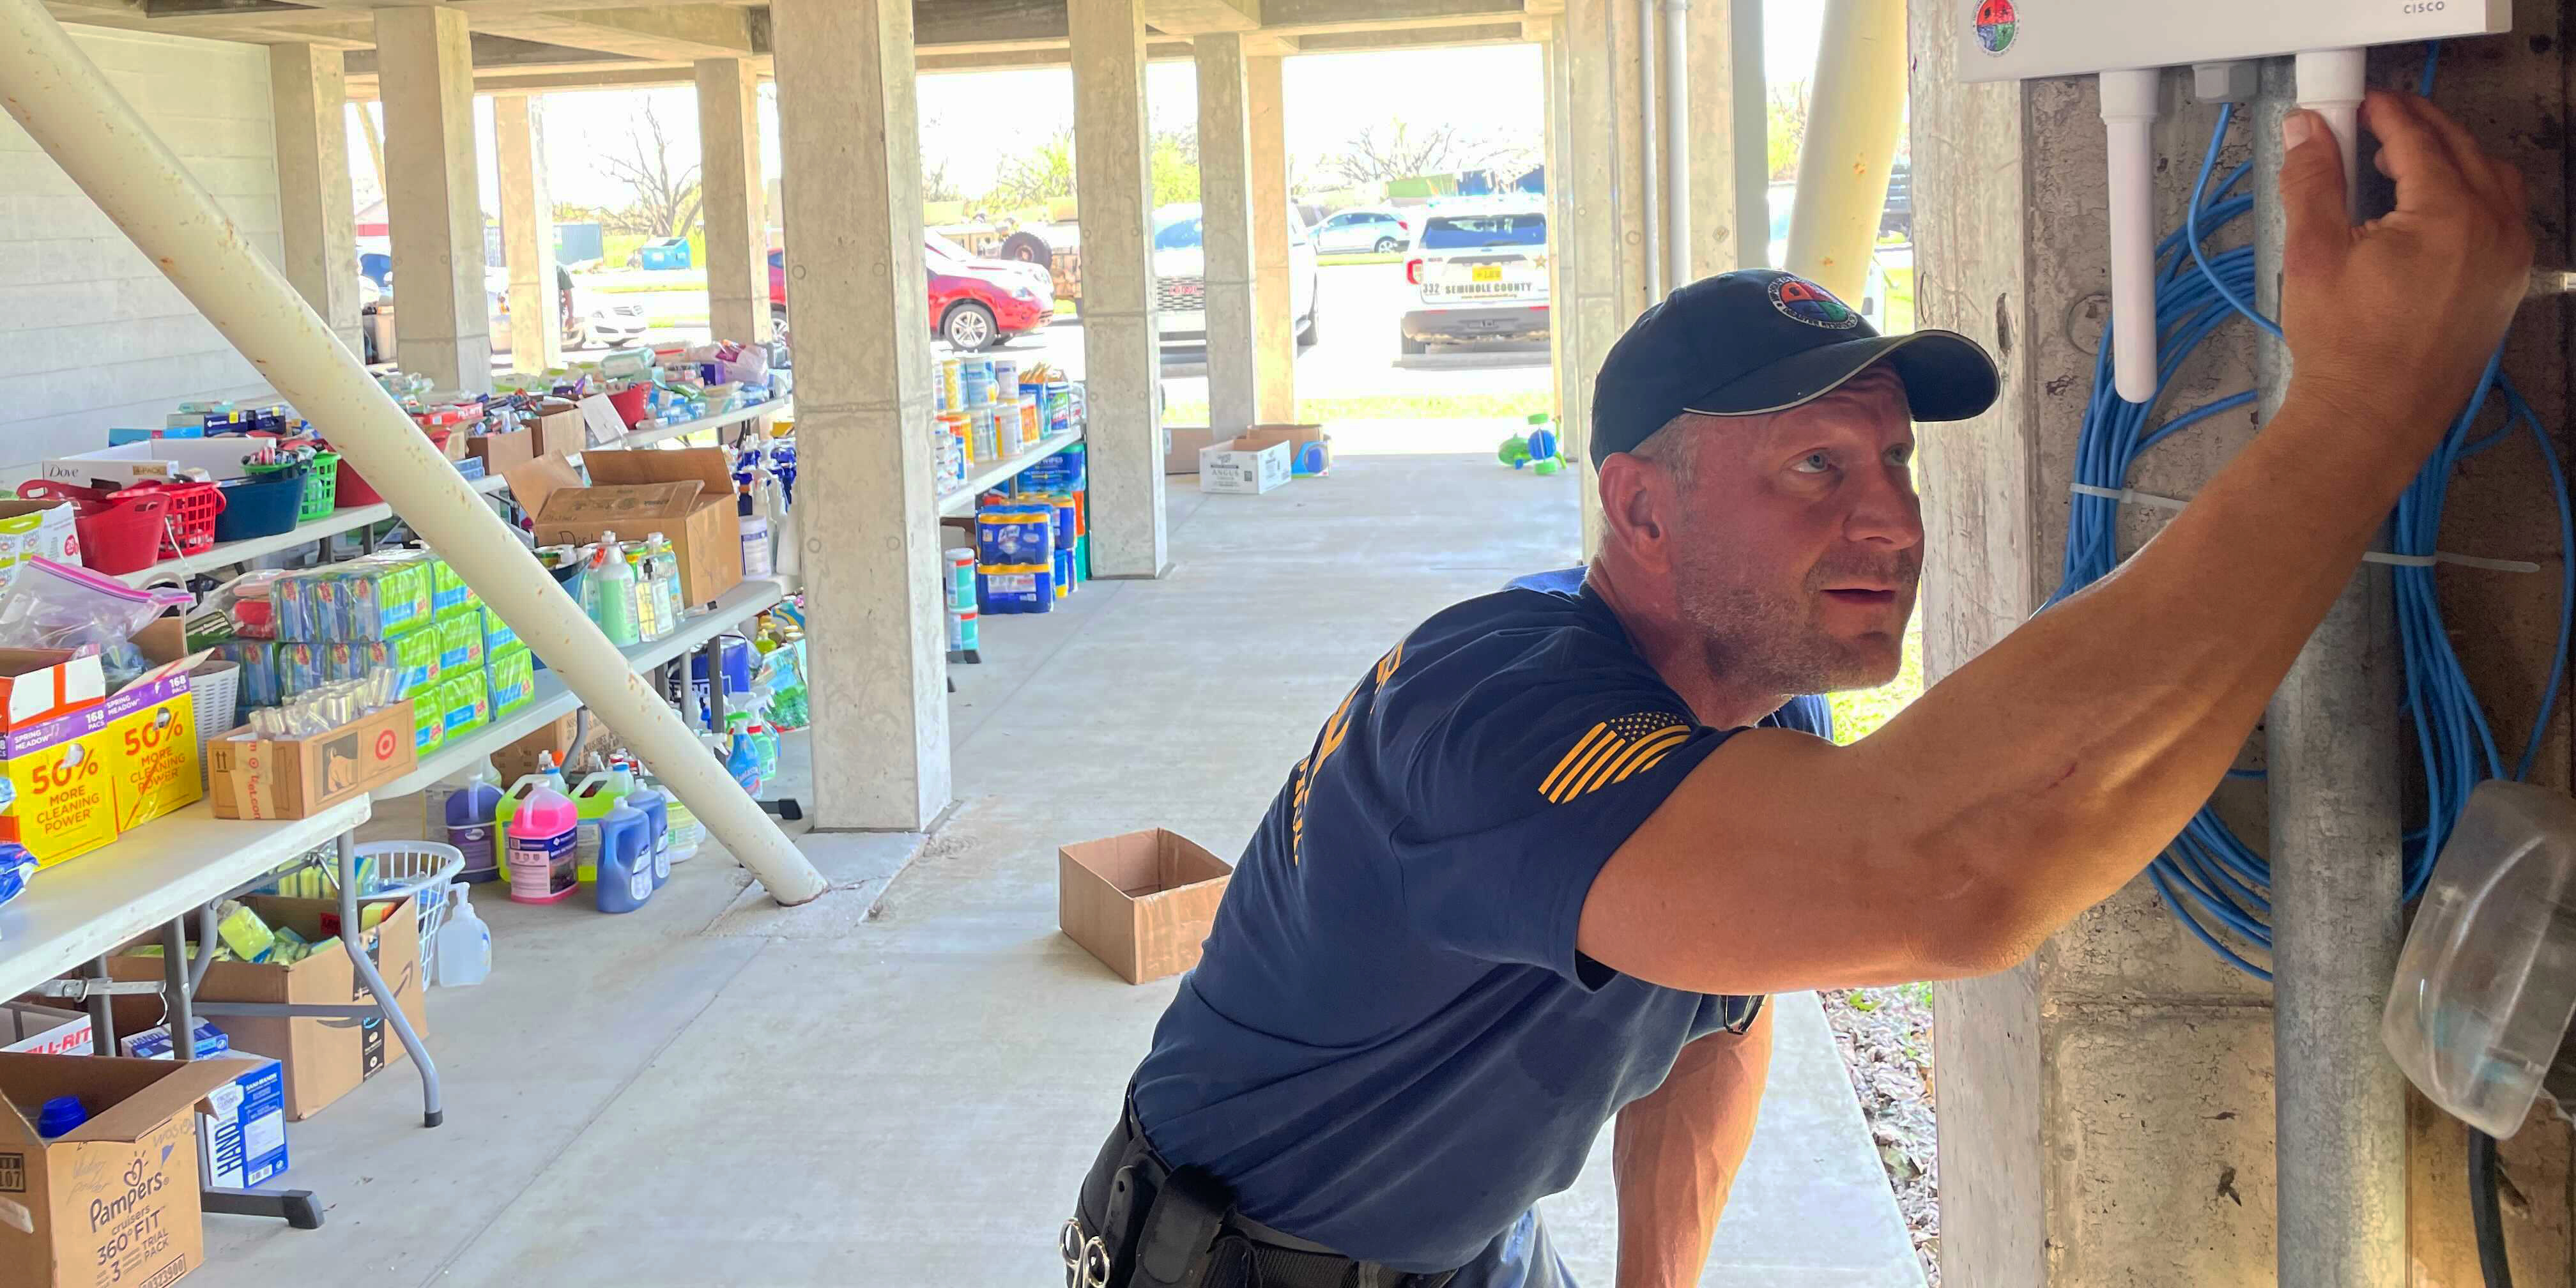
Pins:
<point x="1481" y="269"/>
<point x="1180" y="276"/>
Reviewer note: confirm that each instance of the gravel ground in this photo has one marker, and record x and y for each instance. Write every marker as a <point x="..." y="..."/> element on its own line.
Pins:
<point x="1886" y="1039"/>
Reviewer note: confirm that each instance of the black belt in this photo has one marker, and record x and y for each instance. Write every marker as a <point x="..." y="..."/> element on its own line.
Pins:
<point x="1142" y="1223"/>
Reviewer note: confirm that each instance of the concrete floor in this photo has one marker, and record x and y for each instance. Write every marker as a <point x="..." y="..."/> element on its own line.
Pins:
<point x="901" y="1082"/>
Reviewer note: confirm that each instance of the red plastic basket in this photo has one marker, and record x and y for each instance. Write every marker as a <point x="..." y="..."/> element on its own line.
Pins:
<point x="119" y="537"/>
<point x="356" y="491"/>
<point x="190" y="529"/>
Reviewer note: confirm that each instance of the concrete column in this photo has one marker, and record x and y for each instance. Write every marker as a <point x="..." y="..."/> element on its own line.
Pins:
<point x="527" y="234"/>
<point x="1729" y="161"/>
<point x="729" y="178"/>
<point x="1120" y="359"/>
<point x="849" y="128"/>
<point x="1274" y="328"/>
<point x="1225" y="202"/>
<point x="1600" y="283"/>
<point x="442" y="318"/>
<point x="308" y="96"/>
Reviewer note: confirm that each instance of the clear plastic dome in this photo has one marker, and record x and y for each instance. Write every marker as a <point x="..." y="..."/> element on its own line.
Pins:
<point x="2487" y="982"/>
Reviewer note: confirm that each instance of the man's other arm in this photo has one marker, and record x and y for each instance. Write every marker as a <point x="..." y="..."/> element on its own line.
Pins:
<point x="1676" y="1151"/>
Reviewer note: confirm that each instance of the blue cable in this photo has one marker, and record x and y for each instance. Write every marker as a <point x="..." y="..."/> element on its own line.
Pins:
<point x="2208" y="877"/>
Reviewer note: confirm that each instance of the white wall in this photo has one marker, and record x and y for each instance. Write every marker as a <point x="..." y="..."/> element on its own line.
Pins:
<point x="95" y="336"/>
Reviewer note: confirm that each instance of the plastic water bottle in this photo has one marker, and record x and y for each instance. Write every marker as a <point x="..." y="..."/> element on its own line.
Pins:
<point x="625" y="859"/>
<point x="540" y="835"/>
<point x="464" y="943"/>
<point x="665" y="563"/>
<point x="470" y="816"/>
<point x="648" y="600"/>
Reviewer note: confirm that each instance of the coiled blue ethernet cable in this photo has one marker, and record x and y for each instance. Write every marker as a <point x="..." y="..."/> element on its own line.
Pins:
<point x="2209" y="878"/>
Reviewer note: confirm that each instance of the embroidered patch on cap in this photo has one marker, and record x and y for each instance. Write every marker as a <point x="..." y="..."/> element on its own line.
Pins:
<point x="1801" y="300"/>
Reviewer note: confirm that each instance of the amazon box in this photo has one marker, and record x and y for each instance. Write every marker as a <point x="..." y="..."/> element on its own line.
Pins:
<point x="1142" y="903"/>
<point x="301" y="777"/>
<point x="686" y="495"/>
<point x="114" y="1201"/>
<point x="324" y="1059"/>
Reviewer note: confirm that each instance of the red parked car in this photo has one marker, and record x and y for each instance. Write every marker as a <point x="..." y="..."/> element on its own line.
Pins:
<point x="974" y="303"/>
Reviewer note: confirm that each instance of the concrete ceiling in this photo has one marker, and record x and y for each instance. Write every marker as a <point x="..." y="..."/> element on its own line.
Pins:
<point x="533" y="45"/>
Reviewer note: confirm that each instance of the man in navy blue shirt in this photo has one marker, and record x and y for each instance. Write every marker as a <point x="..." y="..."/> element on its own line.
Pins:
<point x="1539" y="867"/>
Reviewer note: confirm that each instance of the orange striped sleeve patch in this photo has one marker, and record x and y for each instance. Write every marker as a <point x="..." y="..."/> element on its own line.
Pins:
<point x="1613" y="751"/>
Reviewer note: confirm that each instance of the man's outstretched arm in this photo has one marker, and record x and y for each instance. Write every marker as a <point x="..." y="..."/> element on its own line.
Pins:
<point x="1676" y="1152"/>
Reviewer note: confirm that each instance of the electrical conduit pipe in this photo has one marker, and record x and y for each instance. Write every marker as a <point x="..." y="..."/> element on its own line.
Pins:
<point x="2129" y="121"/>
<point x="50" y="87"/>
<point x="1656" y="283"/>
<point x="1677" y="226"/>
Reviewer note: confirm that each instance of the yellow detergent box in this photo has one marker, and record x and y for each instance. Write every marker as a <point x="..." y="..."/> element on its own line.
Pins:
<point x="152" y="744"/>
<point x="62" y="798"/>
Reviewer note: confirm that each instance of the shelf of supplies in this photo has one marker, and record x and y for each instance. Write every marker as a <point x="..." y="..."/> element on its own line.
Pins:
<point x="648" y="437"/>
<point x="957" y="502"/>
<point x="553" y="701"/>
<point x="86" y="907"/>
<point x="226" y="553"/>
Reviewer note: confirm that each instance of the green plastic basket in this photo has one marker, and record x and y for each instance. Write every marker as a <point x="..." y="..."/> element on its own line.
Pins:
<point x="321" y="483"/>
<point x="321" y="487"/>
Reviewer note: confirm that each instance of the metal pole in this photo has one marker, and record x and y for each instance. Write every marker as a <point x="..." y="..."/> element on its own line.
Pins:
<point x="52" y="89"/>
<point x="1653" y="202"/>
<point x="1677" y="185"/>
<point x="1856" y="111"/>
<point x="2333" y="750"/>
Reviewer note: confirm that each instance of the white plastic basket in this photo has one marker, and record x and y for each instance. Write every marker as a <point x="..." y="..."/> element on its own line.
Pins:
<point x="421" y="869"/>
<point x="217" y="685"/>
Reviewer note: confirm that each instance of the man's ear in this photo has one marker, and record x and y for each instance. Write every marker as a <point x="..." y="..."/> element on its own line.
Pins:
<point x="1636" y="500"/>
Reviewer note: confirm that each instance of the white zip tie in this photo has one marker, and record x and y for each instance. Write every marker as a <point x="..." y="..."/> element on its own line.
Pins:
<point x="2132" y="496"/>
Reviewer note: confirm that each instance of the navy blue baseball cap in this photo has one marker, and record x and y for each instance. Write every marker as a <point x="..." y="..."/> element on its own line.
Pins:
<point x="1757" y="341"/>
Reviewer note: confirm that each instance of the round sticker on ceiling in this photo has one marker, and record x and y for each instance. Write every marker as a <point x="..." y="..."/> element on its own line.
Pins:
<point x="1996" y="22"/>
<point x="1800" y="300"/>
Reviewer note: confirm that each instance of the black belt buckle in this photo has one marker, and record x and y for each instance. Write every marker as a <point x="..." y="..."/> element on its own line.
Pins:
<point x="1180" y="1230"/>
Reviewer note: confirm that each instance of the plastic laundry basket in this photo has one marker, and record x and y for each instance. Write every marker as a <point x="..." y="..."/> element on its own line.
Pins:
<point x="217" y="684"/>
<point x="421" y="869"/>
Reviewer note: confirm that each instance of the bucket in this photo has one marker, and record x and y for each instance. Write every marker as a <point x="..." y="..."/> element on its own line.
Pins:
<point x="260" y="507"/>
<point x="122" y="538"/>
<point x="629" y="403"/>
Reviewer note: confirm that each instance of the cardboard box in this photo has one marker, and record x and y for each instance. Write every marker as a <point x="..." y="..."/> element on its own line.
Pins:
<point x="298" y="777"/>
<point x="324" y="1059"/>
<point x="502" y="453"/>
<point x="519" y="759"/>
<point x="152" y="744"/>
<point x="686" y="495"/>
<point x="115" y="1201"/>
<point x="159" y="458"/>
<point x="1141" y="902"/>
<point x="36" y="529"/>
<point x="43" y="1030"/>
<point x="1242" y="465"/>
<point x="243" y="1143"/>
<point x="1310" y="449"/>
<point x="38" y="684"/>
<point x="557" y="428"/>
<point x="1182" y="445"/>
<point x="65" y="803"/>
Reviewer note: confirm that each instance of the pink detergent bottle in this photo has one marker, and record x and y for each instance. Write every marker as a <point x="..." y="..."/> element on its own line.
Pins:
<point x="540" y="837"/>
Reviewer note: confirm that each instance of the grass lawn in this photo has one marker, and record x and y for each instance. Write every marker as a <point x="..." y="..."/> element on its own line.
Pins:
<point x="1416" y="407"/>
<point x="1370" y="257"/>
<point x="1857" y="715"/>
<point x="1900" y="301"/>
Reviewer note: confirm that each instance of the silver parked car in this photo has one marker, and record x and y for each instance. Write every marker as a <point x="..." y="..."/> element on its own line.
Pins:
<point x="1358" y="232"/>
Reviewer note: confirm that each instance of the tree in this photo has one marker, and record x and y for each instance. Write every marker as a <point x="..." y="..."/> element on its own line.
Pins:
<point x="1787" y="112"/>
<point x="666" y="193"/>
<point x="1175" y="167"/>
<point x="1036" y="175"/>
<point x="1397" y="151"/>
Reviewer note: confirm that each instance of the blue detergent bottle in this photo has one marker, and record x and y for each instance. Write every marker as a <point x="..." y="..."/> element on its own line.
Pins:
<point x="657" y="812"/>
<point x="474" y="828"/>
<point x="625" y="878"/>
